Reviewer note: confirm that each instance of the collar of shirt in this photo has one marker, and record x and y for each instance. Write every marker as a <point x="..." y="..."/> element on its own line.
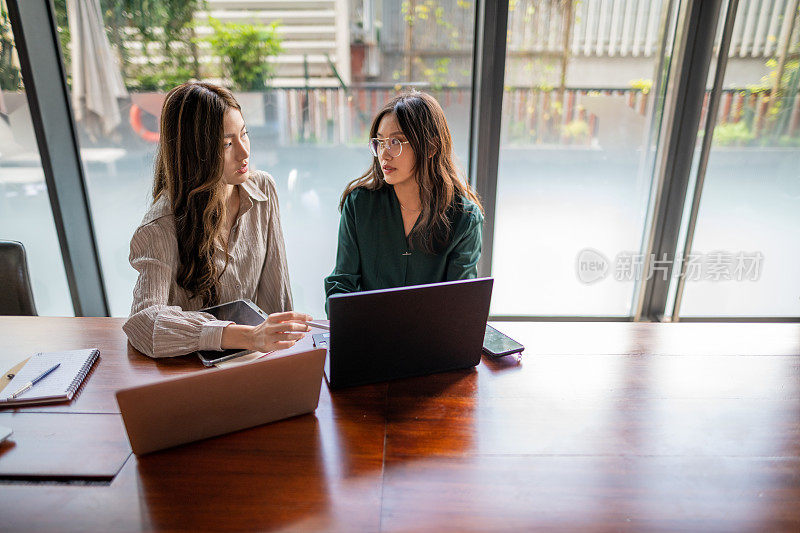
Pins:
<point x="253" y="191"/>
<point x="249" y="194"/>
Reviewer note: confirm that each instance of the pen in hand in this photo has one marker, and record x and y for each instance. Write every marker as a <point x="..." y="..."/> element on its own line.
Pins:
<point x="34" y="381"/>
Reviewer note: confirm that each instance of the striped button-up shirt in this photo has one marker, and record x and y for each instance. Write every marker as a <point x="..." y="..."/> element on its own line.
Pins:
<point x="164" y="321"/>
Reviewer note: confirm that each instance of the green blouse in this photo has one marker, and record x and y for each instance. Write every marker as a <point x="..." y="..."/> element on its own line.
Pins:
<point x="374" y="252"/>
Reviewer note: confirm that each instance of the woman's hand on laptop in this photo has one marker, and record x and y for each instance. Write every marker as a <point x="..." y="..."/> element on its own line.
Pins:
<point x="278" y="332"/>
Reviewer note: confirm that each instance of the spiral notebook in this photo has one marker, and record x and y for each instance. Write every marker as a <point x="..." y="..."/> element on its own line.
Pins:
<point x="58" y="386"/>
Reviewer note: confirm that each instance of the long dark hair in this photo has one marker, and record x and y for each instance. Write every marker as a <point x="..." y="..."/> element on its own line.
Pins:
<point x="440" y="187"/>
<point x="188" y="171"/>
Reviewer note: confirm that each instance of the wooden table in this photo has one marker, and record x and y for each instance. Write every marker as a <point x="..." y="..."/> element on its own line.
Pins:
<point x="604" y="426"/>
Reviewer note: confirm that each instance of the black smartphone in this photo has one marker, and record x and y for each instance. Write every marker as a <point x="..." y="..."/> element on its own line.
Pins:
<point x="498" y="344"/>
<point x="239" y="312"/>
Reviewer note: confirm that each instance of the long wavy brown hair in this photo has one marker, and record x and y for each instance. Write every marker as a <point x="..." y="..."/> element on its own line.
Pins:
<point x="440" y="187"/>
<point x="188" y="172"/>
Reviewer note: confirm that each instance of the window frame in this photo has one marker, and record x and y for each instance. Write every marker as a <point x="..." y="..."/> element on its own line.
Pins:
<point x="37" y="44"/>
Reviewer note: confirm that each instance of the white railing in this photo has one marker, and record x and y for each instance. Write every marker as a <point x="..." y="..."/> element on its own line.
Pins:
<point x="630" y="28"/>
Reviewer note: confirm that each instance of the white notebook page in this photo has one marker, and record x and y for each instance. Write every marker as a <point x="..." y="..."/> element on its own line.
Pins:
<point x="61" y="383"/>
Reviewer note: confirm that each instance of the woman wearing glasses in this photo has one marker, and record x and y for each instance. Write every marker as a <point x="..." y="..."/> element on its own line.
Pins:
<point x="212" y="235"/>
<point x="410" y="219"/>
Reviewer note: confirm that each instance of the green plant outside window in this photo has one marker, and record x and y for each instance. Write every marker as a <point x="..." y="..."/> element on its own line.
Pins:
<point x="244" y="50"/>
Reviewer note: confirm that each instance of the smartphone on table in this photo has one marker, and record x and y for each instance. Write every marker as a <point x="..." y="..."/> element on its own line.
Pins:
<point x="498" y="344"/>
<point x="241" y="311"/>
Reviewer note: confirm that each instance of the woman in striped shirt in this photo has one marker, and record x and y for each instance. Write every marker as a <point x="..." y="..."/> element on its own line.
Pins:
<point x="212" y="235"/>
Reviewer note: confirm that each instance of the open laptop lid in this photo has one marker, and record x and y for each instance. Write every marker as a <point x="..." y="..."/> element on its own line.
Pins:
<point x="213" y="402"/>
<point x="406" y="331"/>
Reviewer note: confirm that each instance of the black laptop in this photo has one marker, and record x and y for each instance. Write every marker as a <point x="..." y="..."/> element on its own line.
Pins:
<point x="407" y="331"/>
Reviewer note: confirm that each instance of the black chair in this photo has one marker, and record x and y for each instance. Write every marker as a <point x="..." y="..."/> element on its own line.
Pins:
<point x="16" y="298"/>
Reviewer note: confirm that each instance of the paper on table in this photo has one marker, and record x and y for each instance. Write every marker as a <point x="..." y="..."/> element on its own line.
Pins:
<point x="244" y="359"/>
<point x="302" y="345"/>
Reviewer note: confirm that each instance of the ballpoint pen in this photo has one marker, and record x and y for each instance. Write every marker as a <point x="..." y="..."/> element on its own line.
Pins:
<point x="34" y="381"/>
<point x="318" y="325"/>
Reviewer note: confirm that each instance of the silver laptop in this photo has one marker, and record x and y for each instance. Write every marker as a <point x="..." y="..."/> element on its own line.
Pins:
<point x="218" y="401"/>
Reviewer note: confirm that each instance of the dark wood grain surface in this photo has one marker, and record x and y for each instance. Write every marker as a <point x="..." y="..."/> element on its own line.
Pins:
<point x="603" y="426"/>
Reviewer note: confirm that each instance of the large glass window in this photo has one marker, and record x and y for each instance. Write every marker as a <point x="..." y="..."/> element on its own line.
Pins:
<point x="580" y="111"/>
<point x="25" y="214"/>
<point x="309" y="76"/>
<point x="746" y="247"/>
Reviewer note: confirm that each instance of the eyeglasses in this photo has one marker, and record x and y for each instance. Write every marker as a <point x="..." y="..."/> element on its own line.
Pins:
<point x="393" y="146"/>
